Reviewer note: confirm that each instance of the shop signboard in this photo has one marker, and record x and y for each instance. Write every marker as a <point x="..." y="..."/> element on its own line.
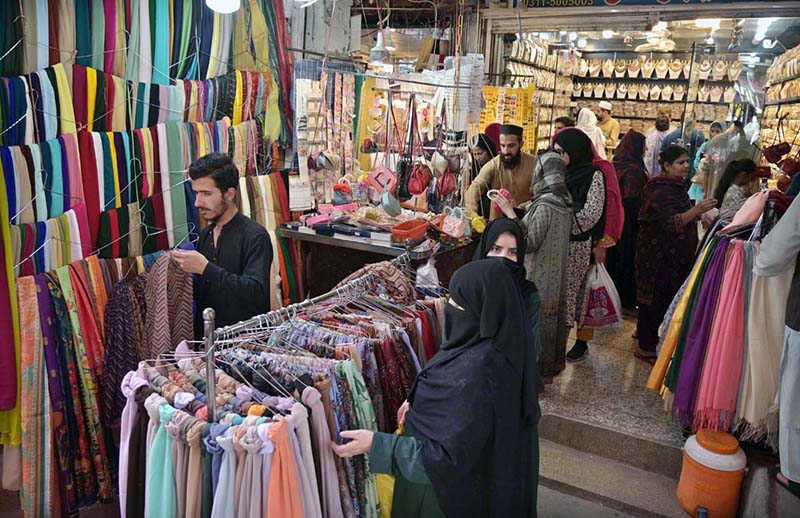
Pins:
<point x="622" y="3"/>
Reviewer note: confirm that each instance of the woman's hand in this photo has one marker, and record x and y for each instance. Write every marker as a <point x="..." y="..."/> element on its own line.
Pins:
<point x="506" y="207"/>
<point x="401" y="413"/>
<point x="705" y="205"/>
<point x="361" y="443"/>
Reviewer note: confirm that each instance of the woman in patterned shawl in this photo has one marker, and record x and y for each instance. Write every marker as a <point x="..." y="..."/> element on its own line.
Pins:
<point x="666" y="245"/>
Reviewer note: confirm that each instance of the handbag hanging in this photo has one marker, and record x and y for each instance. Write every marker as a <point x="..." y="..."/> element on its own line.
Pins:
<point x="774" y="152"/>
<point x="420" y="177"/>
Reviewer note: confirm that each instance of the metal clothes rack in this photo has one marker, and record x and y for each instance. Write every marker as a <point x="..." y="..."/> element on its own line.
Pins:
<point x="211" y="334"/>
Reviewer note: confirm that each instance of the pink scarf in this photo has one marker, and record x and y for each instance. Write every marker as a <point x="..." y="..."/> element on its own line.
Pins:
<point x="719" y="385"/>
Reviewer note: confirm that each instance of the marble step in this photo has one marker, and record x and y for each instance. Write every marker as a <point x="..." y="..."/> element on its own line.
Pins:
<point x="615" y="485"/>
<point x="646" y="454"/>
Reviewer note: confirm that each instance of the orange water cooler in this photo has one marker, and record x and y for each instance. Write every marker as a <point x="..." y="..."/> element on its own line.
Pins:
<point x="712" y="474"/>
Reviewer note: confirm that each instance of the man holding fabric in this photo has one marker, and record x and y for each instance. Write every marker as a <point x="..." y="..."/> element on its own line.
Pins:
<point x="234" y="253"/>
<point x="511" y="169"/>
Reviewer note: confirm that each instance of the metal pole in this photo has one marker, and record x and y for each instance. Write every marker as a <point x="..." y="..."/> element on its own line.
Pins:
<point x="211" y="381"/>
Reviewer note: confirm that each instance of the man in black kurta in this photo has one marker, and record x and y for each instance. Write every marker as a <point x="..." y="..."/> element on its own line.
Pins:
<point x="234" y="253"/>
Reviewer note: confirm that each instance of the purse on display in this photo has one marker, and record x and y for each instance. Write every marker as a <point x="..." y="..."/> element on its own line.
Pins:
<point x="454" y="224"/>
<point x="775" y="152"/>
<point x="420" y="176"/>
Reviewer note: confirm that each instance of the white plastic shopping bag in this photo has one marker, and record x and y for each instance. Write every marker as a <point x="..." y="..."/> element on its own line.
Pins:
<point x="603" y="306"/>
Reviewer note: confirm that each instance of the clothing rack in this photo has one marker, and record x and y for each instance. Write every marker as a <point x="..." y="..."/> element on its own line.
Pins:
<point x="211" y="335"/>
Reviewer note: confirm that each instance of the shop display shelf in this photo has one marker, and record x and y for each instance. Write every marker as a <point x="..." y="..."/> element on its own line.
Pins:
<point x="784" y="80"/>
<point x="792" y="100"/>
<point x="530" y="64"/>
<point x="666" y="80"/>
<point x="612" y="99"/>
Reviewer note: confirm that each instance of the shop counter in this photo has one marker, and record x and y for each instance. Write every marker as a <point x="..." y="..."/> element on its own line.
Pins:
<point x="329" y="259"/>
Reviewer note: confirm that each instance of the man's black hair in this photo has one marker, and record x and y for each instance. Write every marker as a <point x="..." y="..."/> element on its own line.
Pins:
<point x="219" y="167"/>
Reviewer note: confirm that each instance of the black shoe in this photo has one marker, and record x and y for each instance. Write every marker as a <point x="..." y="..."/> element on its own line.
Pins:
<point x="578" y="352"/>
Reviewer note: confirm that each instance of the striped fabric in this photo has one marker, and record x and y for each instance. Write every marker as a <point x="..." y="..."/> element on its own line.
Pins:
<point x="169" y="306"/>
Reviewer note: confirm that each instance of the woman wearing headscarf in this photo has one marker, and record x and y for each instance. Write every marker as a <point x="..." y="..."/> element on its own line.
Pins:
<point x="473" y="410"/>
<point x="548" y="223"/>
<point x="734" y="187"/>
<point x="731" y="144"/>
<point x="587" y="189"/>
<point x="587" y="122"/>
<point x="717" y="127"/>
<point x="666" y="244"/>
<point x="484" y="150"/>
<point x="632" y="176"/>
<point x="504" y="239"/>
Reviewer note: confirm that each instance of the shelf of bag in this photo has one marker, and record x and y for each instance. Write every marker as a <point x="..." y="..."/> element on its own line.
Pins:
<point x="529" y="63"/>
<point x="589" y="79"/>
<point x="793" y="100"/>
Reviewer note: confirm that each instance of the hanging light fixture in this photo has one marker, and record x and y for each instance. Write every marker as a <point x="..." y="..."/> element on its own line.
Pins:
<point x="224" y="6"/>
<point x="378" y="54"/>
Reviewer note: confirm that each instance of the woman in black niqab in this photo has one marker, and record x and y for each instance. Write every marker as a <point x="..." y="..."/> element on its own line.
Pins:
<point x="473" y="410"/>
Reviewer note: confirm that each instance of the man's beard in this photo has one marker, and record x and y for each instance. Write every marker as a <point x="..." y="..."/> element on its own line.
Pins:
<point x="511" y="163"/>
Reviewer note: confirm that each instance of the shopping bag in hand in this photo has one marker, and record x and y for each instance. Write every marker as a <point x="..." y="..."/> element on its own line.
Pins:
<point x="602" y="300"/>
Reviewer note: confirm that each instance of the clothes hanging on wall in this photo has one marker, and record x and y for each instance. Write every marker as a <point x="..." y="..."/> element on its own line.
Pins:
<point x="79" y="327"/>
<point x="718" y="368"/>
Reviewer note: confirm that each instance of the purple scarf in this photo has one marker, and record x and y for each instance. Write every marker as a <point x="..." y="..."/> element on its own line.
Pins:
<point x="697" y="339"/>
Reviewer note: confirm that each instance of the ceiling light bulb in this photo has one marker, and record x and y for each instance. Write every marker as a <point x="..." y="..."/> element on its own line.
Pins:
<point x="707" y="23"/>
<point x="582" y="43"/>
<point x="224" y="6"/>
<point x="573" y="36"/>
<point x="660" y="26"/>
<point x="608" y="34"/>
<point x="378" y="53"/>
<point x="562" y="32"/>
<point x="710" y="40"/>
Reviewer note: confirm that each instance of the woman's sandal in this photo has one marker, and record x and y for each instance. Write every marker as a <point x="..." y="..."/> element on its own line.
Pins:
<point x="792" y="487"/>
<point x="649" y="358"/>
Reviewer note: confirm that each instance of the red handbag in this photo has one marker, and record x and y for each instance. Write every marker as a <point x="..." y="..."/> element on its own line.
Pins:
<point x="775" y="152"/>
<point x="421" y="174"/>
<point x="447" y="184"/>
